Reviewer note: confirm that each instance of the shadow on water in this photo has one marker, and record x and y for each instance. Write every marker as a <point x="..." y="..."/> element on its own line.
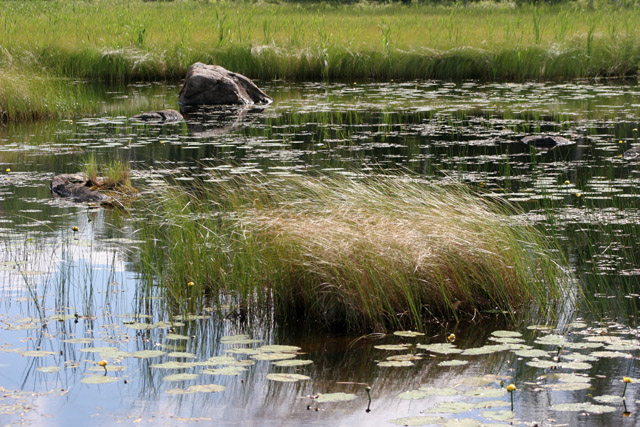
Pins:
<point x="70" y="296"/>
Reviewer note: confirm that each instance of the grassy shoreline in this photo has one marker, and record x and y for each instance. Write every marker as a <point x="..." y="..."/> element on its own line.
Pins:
<point x="117" y="40"/>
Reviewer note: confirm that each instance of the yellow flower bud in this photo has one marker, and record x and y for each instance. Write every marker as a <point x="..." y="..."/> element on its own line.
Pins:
<point x="511" y="388"/>
<point x="190" y="283"/>
<point x="74" y="228"/>
<point x="102" y="363"/>
<point x="451" y="337"/>
<point x="627" y="380"/>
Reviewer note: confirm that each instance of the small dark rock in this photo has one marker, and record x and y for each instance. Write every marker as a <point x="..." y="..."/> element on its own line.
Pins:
<point x="77" y="188"/>
<point x="632" y="153"/>
<point x="214" y="85"/>
<point x="546" y="141"/>
<point x="161" y="116"/>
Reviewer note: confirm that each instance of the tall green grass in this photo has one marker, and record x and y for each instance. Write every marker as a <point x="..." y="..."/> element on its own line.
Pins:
<point x="362" y="254"/>
<point x="118" y="40"/>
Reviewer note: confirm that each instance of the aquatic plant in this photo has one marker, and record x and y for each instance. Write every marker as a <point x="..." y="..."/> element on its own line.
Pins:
<point x="364" y="253"/>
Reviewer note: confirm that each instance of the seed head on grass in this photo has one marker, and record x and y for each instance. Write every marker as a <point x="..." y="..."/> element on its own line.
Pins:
<point x="362" y="253"/>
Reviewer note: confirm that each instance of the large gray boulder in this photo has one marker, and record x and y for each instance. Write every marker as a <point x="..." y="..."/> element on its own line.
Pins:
<point x="214" y="85"/>
<point x="77" y="188"/>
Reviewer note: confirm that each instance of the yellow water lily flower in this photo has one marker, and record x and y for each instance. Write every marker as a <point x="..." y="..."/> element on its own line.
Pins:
<point x="511" y="388"/>
<point x="74" y="228"/>
<point x="451" y="337"/>
<point x="190" y="283"/>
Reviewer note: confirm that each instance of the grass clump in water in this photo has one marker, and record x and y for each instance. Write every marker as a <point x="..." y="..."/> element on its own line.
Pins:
<point x="115" y="180"/>
<point x="367" y="253"/>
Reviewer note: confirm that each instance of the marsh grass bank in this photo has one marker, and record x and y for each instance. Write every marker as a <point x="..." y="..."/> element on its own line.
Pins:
<point x="361" y="254"/>
<point x="115" y="41"/>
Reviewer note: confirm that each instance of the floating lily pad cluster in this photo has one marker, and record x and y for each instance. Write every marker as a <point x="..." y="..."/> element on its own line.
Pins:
<point x="565" y="362"/>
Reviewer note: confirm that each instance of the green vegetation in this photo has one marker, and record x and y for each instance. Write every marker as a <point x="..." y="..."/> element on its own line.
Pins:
<point x="118" y="40"/>
<point x="115" y="180"/>
<point x="365" y="253"/>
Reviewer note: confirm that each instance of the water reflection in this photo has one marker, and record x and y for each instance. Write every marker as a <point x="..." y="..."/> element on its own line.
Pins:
<point x="585" y="194"/>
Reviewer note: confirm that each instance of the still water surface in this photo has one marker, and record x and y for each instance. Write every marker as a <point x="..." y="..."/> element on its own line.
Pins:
<point x="72" y="299"/>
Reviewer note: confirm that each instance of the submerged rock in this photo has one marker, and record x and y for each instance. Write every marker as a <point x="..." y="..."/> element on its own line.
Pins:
<point x="546" y="141"/>
<point x="77" y="188"/>
<point x="632" y="153"/>
<point x="215" y="85"/>
<point x="161" y="116"/>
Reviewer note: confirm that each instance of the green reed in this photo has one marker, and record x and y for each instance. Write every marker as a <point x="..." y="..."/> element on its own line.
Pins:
<point x="117" y="40"/>
<point x="360" y="254"/>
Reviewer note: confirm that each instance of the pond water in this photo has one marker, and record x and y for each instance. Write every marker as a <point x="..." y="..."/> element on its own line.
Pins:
<point x="74" y="298"/>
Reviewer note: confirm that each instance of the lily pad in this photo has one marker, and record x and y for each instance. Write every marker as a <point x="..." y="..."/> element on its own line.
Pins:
<point x="415" y="421"/>
<point x="49" y="369"/>
<point x="99" y="379"/>
<point x="219" y="360"/>
<point x="182" y="355"/>
<point x="552" y="339"/>
<point x="289" y="363"/>
<point x="242" y="350"/>
<point x="146" y="354"/>
<point x="38" y="353"/>
<point x="79" y="340"/>
<point x="532" y="353"/>
<point x="110" y="368"/>
<point x="439" y="391"/>
<point x="608" y="398"/>
<point x="506" y="334"/>
<point x="453" y="363"/>
<point x="335" y="397"/>
<point x="486" y="392"/>
<point x="393" y="347"/>
<point x="288" y="378"/>
<point x="273" y="356"/>
<point x="395" y="363"/>
<point x="440" y="348"/>
<point x="173" y="365"/>
<point x="568" y="386"/>
<point x="176" y="337"/>
<point x="491" y="404"/>
<point x="583" y="407"/>
<point x="413" y="395"/>
<point x="206" y="388"/>
<point x="498" y="415"/>
<point x="408" y="334"/>
<point x="401" y="357"/>
<point x="180" y="377"/>
<point x="487" y="349"/>
<point x="279" y="348"/>
<point x="611" y="354"/>
<point x="227" y="370"/>
<point x="239" y="339"/>
<point x="451" y="407"/>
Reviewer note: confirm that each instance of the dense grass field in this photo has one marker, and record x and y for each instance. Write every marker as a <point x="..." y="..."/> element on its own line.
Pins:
<point x="118" y="40"/>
